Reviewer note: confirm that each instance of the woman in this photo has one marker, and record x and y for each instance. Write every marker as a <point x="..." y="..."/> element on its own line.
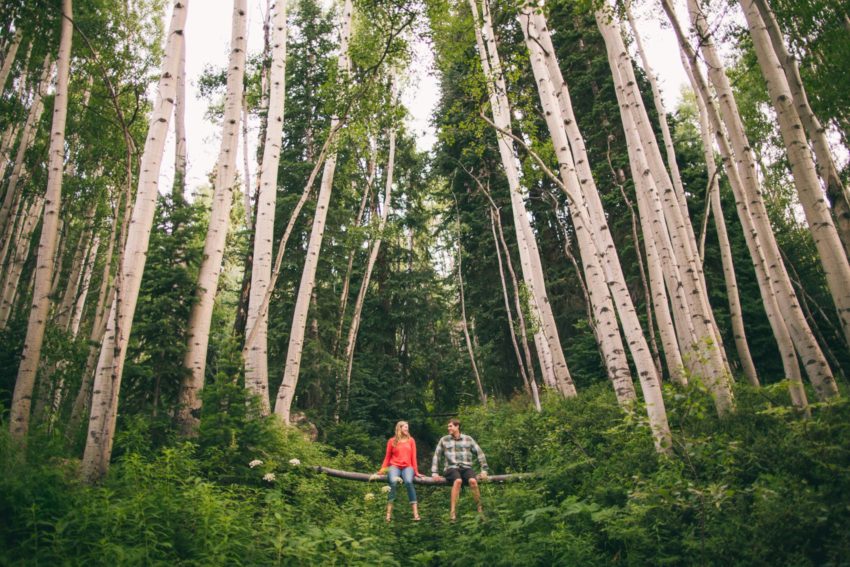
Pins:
<point x="400" y="462"/>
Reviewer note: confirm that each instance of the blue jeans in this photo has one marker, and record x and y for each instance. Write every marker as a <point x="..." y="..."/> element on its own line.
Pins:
<point x="406" y="475"/>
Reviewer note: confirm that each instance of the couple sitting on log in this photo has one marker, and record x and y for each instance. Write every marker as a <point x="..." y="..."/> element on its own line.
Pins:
<point x="456" y="448"/>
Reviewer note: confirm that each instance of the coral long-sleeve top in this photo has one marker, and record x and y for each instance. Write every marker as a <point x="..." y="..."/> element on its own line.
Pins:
<point x="401" y="455"/>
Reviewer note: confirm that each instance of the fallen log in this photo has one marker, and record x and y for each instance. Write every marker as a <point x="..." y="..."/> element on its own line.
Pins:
<point x="427" y="480"/>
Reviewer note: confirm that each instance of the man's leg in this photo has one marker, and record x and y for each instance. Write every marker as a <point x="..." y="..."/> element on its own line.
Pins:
<point x="476" y="493"/>
<point x="455" y="493"/>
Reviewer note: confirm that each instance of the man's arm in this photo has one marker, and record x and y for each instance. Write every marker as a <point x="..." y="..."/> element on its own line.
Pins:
<point x="482" y="460"/>
<point x="435" y="462"/>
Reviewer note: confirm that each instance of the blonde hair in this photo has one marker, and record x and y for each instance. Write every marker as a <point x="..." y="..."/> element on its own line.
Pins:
<point x="398" y="435"/>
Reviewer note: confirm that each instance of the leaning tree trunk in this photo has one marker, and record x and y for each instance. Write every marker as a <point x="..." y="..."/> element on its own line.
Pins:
<point x="27" y="138"/>
<point x="22" y="240"/>
<point x="482" y="395"/>
<point x="672" y="165"/>
<point x="530" y="383"/>
<point x="346" y="282"/>
<point x="707" y="351"/>
<point x="836" y="190"/>
<point x="286" y="393"/>
<point x="604" y="318"/>
<point x="9" y="58"/>
<point x="550" y="353"/>
<point x="256" y="354"/>
<point x="777" y="295"/>
<point x="833" y="259"/>
<point x="805" y="343"/>
<point x="200" y="318"/>
<point x="354" y="329"/>
<point x="22" y="397"/>
<point x="735" y="312"/>
<point x="178" y="190"/>
<point x="110" y="366"/>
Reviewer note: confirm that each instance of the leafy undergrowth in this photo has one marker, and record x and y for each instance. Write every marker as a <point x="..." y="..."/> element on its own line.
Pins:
<point x="763" y="487"/>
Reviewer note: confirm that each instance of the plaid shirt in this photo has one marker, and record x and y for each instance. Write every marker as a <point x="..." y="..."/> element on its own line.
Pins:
<point x="458" y="453"/>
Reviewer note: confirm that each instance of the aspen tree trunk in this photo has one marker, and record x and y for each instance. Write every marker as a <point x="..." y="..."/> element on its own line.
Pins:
<point x="200" y="318"/>
<point x="256" y="354"/>
<point x="550" y="353"/>
<point x="464" y="325"/>
<point x="735" y="311"/>
<point x="22" y="242"/>
<point x="9" y="58"/>
<point x="346" y="283"/>
<point x="682" y="261"/>
<point x="286" y="393"/>
<point x="367" y="276"/>
<point x="826" y="168"/>
<point x="178" y="193"/>
<point x="65" y="310"/>
<point x="673" y="357"/>
<point x="83" y="399"/>
<point x="110" y="366"/>
<point x="22" y="397"/>
<point x="805" y="343"/>
<point x="771" y="276"/>
<point x="27" y="138"/>
<point x="672" y="165"/>
<point x="832" y="256"/>
<point x="602" y="306"/>
<point x="576" y="164"/>
<point x="8" y="140"/>
<point x="80" y="305"/>
<point x="246" y="167"/>
<point x="13" y="128"/>
<point x="530" y="382"/>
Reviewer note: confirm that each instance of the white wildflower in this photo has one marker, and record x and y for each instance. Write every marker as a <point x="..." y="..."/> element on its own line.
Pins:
<point x="385" y="489"/>
<point x="255" y="463"/>
<point x="294" y="462"/>
<point x="398" y="480"/>
<point x="369" y="496"/>
<point x="269" y="477"/>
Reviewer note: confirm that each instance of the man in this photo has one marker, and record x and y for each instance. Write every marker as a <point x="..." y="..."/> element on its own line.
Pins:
<point x="457" y="449"/>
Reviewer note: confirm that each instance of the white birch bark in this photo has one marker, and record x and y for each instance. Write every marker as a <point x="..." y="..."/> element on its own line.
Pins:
<point x="286" y="393"/>
<point x="22" y="397"/>
<point x="27" y="139"/>
<point x="178" y="193"/>
<point x="22" y="240"/>
<point x="88" y="270"/>
<point x="550" y="353"/>
<point x="669" y="225"/>
<point x="815" y="206"/>
<point x="735" y="311"/>
<point x="65" y="311"/>
<point x="672" y="165"/>
<point x="256" y="354"/>
<point x="9" y="58"/>
<point x="771" y="276"/>
<point x="110" y="366"/>
<point x="601" y="303"/>
<point x="200" y="317"/>
<point x="827" y="170"/>
<point x="805" y="343"/>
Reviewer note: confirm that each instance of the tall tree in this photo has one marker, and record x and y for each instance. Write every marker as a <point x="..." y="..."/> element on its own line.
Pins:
<point x="256" y="353"/>
<point x="113" y="352"/>
<point x="202" y="310"/>
<point x="286" y="392"/>
<point x="31" y="355"/>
